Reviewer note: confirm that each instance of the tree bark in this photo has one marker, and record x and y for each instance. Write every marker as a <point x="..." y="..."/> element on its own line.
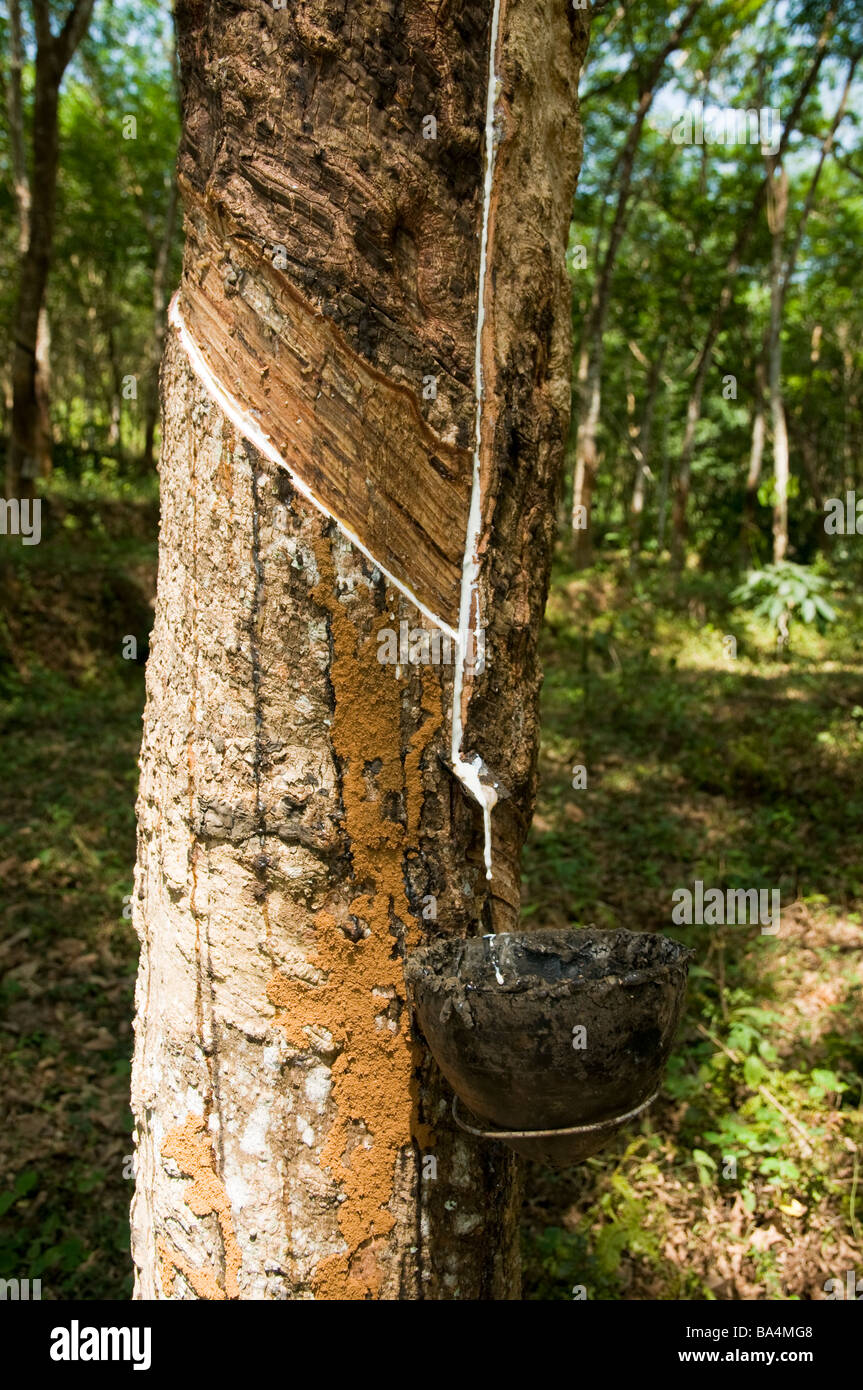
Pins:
<point x="30" y="441"/>
<point x="307" y="813"/>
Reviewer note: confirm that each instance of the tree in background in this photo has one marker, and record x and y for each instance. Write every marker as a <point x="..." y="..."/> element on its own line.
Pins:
<point x="782" y="267"/>
<point x="41" y="425"/>
<point x="29" y="441"/>
<point x="115" y="251"/>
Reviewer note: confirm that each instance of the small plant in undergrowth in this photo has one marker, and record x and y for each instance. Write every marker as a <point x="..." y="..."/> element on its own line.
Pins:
<point x="629" y="1224"/>
<point x="784" y="592"/>
<point x="621" y="1228"/>
<point x="754" y="1123"/>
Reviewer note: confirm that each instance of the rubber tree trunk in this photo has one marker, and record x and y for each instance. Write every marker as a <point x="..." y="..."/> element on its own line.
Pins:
<point x="309" y="811"/>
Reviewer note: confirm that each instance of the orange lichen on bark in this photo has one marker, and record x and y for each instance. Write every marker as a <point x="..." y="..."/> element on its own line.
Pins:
<point x="193" y="1153"/>
<point x="202" y="1281"/>
<point x="361" y="1002"/>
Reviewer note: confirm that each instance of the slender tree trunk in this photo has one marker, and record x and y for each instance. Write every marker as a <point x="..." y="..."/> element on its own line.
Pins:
<point x="645" y="438"/>
<point x="781" y="273"/>
<point x="586" y="456"/>
<point x="15" y="119"/>
<point x="308" y="811"/>
<point x="664" y="483"/>
<point x="756" y="457"/>
<point x="777" y="215"/>
<point x="849" y="461"/>
<point x="115" y="426"/>
<point x="781" y="475"/>
<point x="43" y="435"/>
<point x="161" y="239"/>
<point x="30" y="433"/>
<point x="683" y="479"/>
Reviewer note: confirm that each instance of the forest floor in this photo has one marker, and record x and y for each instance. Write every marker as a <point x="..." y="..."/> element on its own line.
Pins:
<point x="70" y="724"/>
<point x="743" y="1182"/>
<point x="743" y="773"/>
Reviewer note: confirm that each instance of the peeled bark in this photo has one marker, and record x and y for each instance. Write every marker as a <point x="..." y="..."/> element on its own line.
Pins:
<point x="305" y="811"/>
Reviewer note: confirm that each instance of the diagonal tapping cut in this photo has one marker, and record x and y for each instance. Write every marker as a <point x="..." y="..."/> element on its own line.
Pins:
<point x="250" y="428"/>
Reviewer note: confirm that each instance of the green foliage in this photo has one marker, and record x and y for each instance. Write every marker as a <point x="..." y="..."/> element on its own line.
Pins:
<point x="783" y="591"/>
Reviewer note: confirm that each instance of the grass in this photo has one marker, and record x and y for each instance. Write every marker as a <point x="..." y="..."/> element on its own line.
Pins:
<point x="744" y="771"/>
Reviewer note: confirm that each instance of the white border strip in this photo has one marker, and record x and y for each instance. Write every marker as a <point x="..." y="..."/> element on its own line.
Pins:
<point x="468" y="771"/>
